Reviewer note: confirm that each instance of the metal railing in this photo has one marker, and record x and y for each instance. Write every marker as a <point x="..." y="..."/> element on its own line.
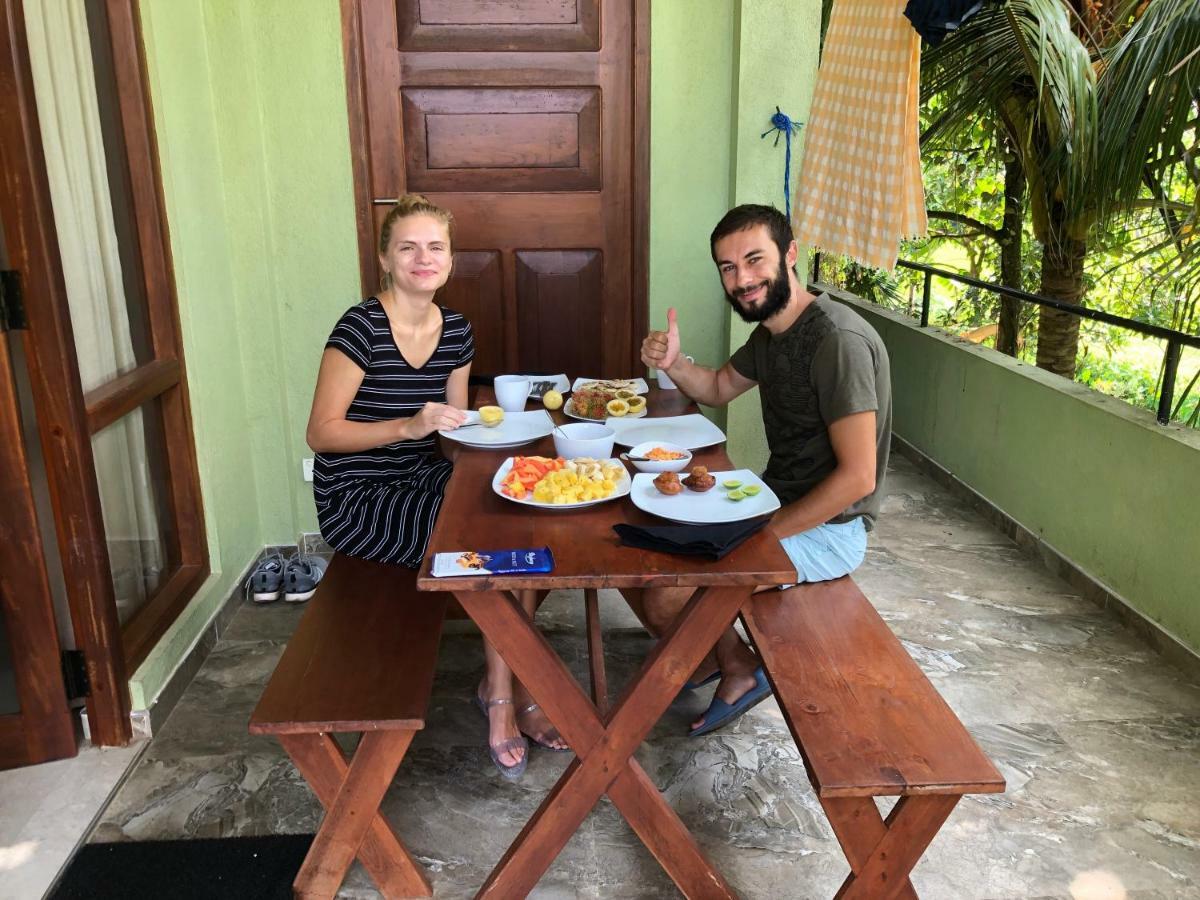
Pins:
<point x="1176" y="340"/>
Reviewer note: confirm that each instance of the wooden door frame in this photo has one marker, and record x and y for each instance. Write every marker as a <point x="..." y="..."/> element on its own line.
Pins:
<point x="358" y="31"/>
<point x="54" y="377"/>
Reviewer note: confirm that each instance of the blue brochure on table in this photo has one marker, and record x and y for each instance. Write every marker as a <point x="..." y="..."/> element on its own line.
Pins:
<point x="493" y="562"/>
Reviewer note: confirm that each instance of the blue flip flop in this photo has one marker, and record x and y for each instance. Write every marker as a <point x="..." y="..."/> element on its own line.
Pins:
<point x="696" y="685"/>
<point x="719" y="713"/>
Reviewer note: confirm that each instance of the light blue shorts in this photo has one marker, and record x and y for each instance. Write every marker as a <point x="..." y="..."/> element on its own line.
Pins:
<point x="827" y="551"/>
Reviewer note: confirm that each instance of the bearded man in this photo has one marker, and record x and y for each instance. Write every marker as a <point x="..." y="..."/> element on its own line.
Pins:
<point x="823" y="376"/>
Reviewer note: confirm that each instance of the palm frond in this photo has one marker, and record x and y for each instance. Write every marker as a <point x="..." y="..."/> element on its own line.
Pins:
<point x="1022" y="55"/>
<point x="1148" y="88"/>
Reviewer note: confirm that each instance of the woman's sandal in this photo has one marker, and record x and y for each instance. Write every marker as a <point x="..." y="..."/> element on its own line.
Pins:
<point x="512" y="773"/>
<point x="528" y="709"/>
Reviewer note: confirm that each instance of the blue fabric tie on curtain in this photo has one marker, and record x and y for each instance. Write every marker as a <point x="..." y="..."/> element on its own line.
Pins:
<point x="781" y="123"/>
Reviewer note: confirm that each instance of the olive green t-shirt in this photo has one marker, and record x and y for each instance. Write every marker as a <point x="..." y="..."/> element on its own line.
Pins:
<point x="830" y="364"/>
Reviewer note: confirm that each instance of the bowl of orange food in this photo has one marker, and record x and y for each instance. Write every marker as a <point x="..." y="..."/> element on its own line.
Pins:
<point x="659" y="456"/>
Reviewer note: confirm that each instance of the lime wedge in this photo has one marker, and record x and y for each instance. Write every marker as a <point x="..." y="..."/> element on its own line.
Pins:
<point x="751" y="489"/>
<point x="736" y="495"/>
<point x="731" y="485"/>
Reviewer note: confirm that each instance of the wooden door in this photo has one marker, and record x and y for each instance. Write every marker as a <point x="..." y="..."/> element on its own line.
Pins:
<point x="528" y="119"/>
<point x="35" y="722"/>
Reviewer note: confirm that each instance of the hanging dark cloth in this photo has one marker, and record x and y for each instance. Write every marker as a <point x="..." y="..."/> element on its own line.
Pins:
<point x="934" y="19"/>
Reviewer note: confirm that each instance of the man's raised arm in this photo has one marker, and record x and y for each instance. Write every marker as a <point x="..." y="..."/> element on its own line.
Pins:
<point x="660" y="350"/>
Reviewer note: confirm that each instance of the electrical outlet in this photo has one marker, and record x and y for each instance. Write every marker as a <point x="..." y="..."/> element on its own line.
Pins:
<point x="307" y="468"/>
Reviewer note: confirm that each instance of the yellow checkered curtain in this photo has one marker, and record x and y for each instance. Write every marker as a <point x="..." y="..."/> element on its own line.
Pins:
<point x="860" y="191"/>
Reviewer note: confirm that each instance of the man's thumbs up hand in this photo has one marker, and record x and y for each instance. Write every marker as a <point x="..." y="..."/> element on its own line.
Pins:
<point x="660" y="349"/>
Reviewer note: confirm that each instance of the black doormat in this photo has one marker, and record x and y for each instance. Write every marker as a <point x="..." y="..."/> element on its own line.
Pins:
<point x="246" y="868"/>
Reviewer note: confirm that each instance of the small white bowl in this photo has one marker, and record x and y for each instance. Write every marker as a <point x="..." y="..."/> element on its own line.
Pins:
<point x="665" y="465"/>
<point x="584" y="439"/>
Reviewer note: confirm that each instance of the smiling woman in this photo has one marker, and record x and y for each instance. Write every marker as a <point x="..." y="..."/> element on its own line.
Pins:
<point x="394" y="371"/>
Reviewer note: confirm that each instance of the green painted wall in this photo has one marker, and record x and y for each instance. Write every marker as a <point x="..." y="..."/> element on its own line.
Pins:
<point x="691" y="106"/>
<point x="712" y="96"/>
<point x="778" y="49"/>
<point x="251" y="121"/>
<point x="250" y="115"/>
<point x="1098" y="480"/>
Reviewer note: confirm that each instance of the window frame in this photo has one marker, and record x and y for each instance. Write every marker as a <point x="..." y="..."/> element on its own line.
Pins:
<point x="163" y="376"/>
<point x="66" y="416"/>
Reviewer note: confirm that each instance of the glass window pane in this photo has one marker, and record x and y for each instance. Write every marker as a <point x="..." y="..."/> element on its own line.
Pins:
<point x="89" y="188"/>
<point x="132" y="475"/>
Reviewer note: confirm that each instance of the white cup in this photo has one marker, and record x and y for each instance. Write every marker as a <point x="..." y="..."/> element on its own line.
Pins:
<point x="511" y="392"/>
<point x="664" y="380"/>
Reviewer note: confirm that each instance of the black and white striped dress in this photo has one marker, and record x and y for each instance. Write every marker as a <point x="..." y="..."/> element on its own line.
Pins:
<point x="381" y="504"/>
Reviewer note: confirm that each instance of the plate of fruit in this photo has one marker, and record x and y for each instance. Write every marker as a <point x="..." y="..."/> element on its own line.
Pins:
<point x="557" y="483"/>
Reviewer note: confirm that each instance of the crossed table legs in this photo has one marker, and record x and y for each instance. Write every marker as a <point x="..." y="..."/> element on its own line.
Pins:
<point x="351" y="791"/>
<point x="882" y="853"/>
<point x="604" y="747"/>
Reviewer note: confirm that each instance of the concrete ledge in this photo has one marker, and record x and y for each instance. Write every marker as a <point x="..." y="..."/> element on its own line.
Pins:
<point x="1102" y="491"/>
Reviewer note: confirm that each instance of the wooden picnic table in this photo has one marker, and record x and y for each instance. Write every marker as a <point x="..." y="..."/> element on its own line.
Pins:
<point x="588" y="555"/>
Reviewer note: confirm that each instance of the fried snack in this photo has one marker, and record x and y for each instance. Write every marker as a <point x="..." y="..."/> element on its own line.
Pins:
<point x="700" y="481"/>
<point x="668" y="483"/>
<point x="592" y="399"/>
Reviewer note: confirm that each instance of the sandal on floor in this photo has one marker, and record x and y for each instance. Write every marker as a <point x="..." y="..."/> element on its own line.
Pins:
<point x="719" y="713"/>
<point x="512" y="773"/>
<point x="530" y="708"/>
<point x="696" y="685"/>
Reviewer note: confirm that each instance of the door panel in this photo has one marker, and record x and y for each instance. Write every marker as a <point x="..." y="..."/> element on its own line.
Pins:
<point x="501" y="139"/>
<point x="458" y="25"/>
<point x="560" y="296"/>
<point x="518" y="116"/>
<point x="36" y="725"/>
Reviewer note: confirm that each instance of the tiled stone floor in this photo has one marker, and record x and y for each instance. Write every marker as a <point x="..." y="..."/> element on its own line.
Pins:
<point x="1098" y="739"/>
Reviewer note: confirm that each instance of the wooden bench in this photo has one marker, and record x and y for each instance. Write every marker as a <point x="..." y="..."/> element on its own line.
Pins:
<point x="868" y="724"/>
<point x="361" y="660"/>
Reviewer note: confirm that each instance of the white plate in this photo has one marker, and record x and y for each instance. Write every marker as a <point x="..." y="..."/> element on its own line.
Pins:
<point x="637" y="385"/>
<point x="691" y="431"/>
<point x="569" y="409"/>
<point x="709" y="508"/>
<point x="517" y="428"/>
<point x="559" y="383"/>
<point x="623" y="487"/>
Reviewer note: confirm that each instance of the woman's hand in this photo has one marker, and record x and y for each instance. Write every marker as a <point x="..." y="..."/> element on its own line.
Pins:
<point x="433" y="417"/>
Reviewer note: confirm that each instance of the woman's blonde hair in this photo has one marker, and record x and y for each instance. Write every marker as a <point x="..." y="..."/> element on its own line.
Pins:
<point x="410" y="205"/>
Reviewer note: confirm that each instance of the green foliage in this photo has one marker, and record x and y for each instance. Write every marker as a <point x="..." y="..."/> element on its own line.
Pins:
<point x="1101" y="105"/>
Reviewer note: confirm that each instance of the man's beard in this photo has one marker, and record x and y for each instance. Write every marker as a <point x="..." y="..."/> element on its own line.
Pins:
<point x="779" y="291"/>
